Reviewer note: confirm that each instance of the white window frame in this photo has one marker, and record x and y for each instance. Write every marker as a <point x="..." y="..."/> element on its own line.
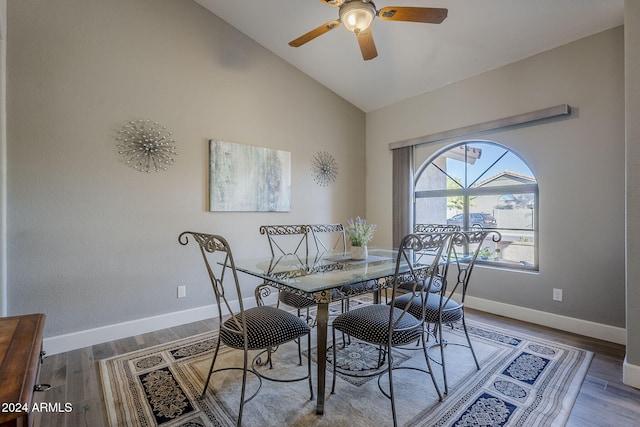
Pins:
<point x="468" y="192"/>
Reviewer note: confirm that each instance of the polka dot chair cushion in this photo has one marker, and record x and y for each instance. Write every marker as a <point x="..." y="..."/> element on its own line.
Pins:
<point x="294" y="300"/>
<point x="266" y="327"/>
<point x="371" y="324"/>
<point x="451" y="312"/>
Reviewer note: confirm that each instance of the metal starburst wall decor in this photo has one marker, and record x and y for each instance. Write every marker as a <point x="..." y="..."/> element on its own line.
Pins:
<point x="146" y="145"/>
<point x="324" y="168"/>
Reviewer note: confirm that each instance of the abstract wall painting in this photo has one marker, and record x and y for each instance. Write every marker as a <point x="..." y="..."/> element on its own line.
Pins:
<point x="248" y="178"/>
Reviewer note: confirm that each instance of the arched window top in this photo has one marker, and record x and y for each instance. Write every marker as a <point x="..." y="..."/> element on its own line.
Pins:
<point x="474" y="164"/>
<point x="482" y="184"/>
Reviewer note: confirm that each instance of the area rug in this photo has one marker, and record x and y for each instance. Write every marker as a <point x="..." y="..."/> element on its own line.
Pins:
<point x="523" y="381"/>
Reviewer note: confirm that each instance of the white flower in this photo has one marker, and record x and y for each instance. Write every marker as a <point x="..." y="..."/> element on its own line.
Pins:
<point x="359" y="232"/>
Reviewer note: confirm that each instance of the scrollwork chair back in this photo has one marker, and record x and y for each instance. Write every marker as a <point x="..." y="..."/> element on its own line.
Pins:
<point x="435" y="228"/>
<point x="287" y="240"/>
<point x="328" y="238"/>
<point x="220" y="266"/>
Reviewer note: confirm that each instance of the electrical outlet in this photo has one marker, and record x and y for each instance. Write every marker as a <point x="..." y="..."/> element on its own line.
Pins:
<point x="182" y="291"/>
<point x="557" y="294"/>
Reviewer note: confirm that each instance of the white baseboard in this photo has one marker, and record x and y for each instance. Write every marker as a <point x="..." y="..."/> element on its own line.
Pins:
<point x="630" y="374"/>
<point x="568" y="324"/>
<point x="89" y="337"/>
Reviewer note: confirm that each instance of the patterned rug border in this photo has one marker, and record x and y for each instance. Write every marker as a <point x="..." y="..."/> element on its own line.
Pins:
<point x="456" y="412"/>
<point x="573" y="380"/>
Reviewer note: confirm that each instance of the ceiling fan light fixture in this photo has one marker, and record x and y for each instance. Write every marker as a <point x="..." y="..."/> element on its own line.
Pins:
<point x="357" y="15"/>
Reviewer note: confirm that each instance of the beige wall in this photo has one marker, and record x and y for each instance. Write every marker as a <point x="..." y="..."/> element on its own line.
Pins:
<point x="632" y="100"/>
<point x="92" y="242"/>
<point x="578" y="162"/>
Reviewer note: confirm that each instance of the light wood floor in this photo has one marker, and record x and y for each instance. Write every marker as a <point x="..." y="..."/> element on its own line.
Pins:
<point x="603" y="400"/>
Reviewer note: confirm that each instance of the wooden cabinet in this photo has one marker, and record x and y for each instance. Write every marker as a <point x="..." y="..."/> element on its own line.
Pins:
<point x="20" y="357"/>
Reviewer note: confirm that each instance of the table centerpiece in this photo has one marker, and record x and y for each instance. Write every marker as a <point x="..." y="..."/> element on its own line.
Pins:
<point x="359" y="234"/>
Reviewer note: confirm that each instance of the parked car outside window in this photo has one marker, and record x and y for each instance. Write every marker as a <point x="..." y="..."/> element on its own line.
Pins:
<point x="476" y="220"/>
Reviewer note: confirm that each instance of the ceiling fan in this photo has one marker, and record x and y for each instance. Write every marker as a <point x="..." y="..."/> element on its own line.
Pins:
<point x="357" y="16"/>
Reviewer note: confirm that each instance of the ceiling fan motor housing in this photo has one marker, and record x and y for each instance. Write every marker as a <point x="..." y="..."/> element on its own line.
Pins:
<point x="357" y="15"/>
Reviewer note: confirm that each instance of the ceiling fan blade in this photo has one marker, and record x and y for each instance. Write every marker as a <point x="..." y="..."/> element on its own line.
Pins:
<point x="314" y="33"/>
<point x="429" y="15"/>
<point x="367" y="45"/>
<point x="333" y="2"/>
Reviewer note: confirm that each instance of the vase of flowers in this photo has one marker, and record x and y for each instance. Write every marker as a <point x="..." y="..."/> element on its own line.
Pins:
<point x="359" y="234"/>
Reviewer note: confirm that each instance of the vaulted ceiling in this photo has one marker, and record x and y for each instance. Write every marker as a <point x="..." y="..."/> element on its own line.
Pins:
<point x="413" y="58"/>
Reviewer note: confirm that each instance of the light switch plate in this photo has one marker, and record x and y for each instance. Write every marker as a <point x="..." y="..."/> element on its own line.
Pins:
<point x="557" y="294"/>
<point x="182" y="291"/>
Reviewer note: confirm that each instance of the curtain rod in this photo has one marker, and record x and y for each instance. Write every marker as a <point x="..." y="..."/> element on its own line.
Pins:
<point x="545" y="113"/>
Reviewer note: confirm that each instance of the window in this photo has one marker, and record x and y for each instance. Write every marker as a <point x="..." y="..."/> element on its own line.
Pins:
<point x="482" y="184"/>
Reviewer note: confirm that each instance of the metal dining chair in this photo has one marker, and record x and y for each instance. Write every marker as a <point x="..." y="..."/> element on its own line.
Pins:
<point x="446" y="307"/>
<point x="257" y="328"/>
<point x="393" y="325"/>
<point x="287" y="241"/>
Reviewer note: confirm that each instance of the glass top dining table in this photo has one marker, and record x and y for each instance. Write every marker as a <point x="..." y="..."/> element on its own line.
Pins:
<point x="325" y="278"/>
<point x="321" y="272"/>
